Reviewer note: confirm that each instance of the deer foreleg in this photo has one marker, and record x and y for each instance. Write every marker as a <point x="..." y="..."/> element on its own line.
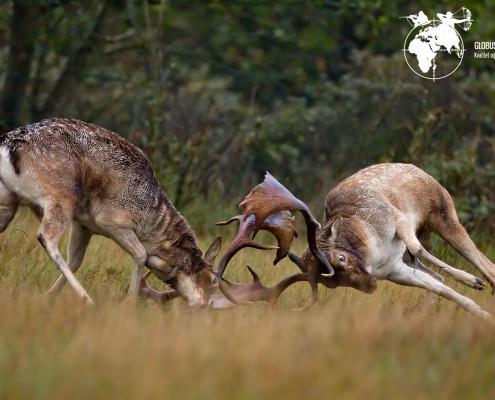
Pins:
<point x="128" y="240"/>
<point x="415" y="262"/>
<point x="8" y="206"/>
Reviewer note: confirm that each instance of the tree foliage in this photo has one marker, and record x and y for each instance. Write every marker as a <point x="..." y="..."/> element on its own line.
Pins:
<point x="217" y="92"/>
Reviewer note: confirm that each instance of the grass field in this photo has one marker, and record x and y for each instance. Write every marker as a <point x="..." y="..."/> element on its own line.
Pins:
<point x="350" y="345"/>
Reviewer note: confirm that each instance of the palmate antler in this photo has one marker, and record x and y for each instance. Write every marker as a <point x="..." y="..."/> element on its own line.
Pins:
<point x="270" y="197"/>
<point x="280" y="224"/>
<point x="266" y="208"/>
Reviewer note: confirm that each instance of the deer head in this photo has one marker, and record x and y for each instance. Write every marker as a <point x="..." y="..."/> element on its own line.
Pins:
<point x="348" y="263"/>
<point x="195" y="288"/>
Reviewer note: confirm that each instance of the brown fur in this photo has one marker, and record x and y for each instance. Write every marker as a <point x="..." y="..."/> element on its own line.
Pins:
<point x="381" y="207"/>
<point x="106" y="185"/>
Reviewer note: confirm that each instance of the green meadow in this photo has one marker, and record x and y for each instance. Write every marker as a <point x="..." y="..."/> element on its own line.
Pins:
<point x="349" y="345"/>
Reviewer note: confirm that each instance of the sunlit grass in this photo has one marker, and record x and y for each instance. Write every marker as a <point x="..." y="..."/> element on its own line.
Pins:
<point x="350" y="345"/>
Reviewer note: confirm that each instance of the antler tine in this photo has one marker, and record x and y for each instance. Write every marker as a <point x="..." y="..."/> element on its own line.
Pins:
<point x="246" y="293"/>
<point x="146" y="291"/>
<point x="239" y="291"/>
<point x="270" y="197"/>
<point x="243" y="239"/>
<point x="310" y="276"/>
<point x="272" y="294"/>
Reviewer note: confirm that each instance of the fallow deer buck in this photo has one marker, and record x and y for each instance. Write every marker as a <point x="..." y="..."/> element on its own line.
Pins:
<point x="379" y="221"/>
<point x="374" y="226"/>
<point x="68" y="171"/>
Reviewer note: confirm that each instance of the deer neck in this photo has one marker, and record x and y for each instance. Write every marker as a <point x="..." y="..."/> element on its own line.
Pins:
<point x="353" y="238"/>
<point x="171" y="239"/>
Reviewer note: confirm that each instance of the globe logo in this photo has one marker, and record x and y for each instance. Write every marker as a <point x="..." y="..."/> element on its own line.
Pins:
<point x="433" y="49"/>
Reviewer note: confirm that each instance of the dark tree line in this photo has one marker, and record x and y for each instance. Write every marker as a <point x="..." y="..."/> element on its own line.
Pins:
<point x="217" y="92"/>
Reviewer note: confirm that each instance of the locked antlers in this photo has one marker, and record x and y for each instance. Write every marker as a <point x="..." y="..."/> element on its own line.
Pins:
<point x="271" y="196"/>
<point x="266" y="208"/>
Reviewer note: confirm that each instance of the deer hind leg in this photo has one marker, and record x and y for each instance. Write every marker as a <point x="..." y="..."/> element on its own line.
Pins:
<point x="56" y="218"/>
<point x="449" y="229"/>
<point x="406" y="233"/>
<point x="414" y="262"/>
<point x="425" y="240"/>
<point x="404" y="275"/>
<point x="8" y="206"/>
<point x="78" y="243"/>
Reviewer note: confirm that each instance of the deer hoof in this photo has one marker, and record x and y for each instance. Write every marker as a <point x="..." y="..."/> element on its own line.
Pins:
<point x="480" y="285"/>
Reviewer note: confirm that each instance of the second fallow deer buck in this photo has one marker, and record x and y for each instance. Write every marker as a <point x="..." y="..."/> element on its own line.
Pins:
<point x="374" y="226"/>
<point x="378" y="222"/>
<point x="72" y="172"/>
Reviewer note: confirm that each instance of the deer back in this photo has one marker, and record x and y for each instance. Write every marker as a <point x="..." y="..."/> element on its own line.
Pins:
<point x="373" y="198"/>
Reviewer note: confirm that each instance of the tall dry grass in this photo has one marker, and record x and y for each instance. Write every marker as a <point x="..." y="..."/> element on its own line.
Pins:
<point x="350" y="345"/>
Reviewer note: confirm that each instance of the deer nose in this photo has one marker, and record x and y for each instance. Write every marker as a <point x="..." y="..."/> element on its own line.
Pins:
<point x="198" y="306"/>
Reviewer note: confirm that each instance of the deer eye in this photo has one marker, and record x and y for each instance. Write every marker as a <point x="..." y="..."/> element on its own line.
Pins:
<point x="342" y="258"/>
<point x="214" y="280"/>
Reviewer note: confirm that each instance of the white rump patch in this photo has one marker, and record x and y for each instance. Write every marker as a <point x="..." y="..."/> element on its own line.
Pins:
<point x="23" y="185"/>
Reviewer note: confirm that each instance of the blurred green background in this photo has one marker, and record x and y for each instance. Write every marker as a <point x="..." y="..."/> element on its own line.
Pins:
<point x="218" y="92"/>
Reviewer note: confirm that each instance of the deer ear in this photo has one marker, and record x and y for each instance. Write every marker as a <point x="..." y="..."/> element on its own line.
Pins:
<point x="335" y="227"/>
<point x="213" y="251"/>
<point x="333" y="230"/>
